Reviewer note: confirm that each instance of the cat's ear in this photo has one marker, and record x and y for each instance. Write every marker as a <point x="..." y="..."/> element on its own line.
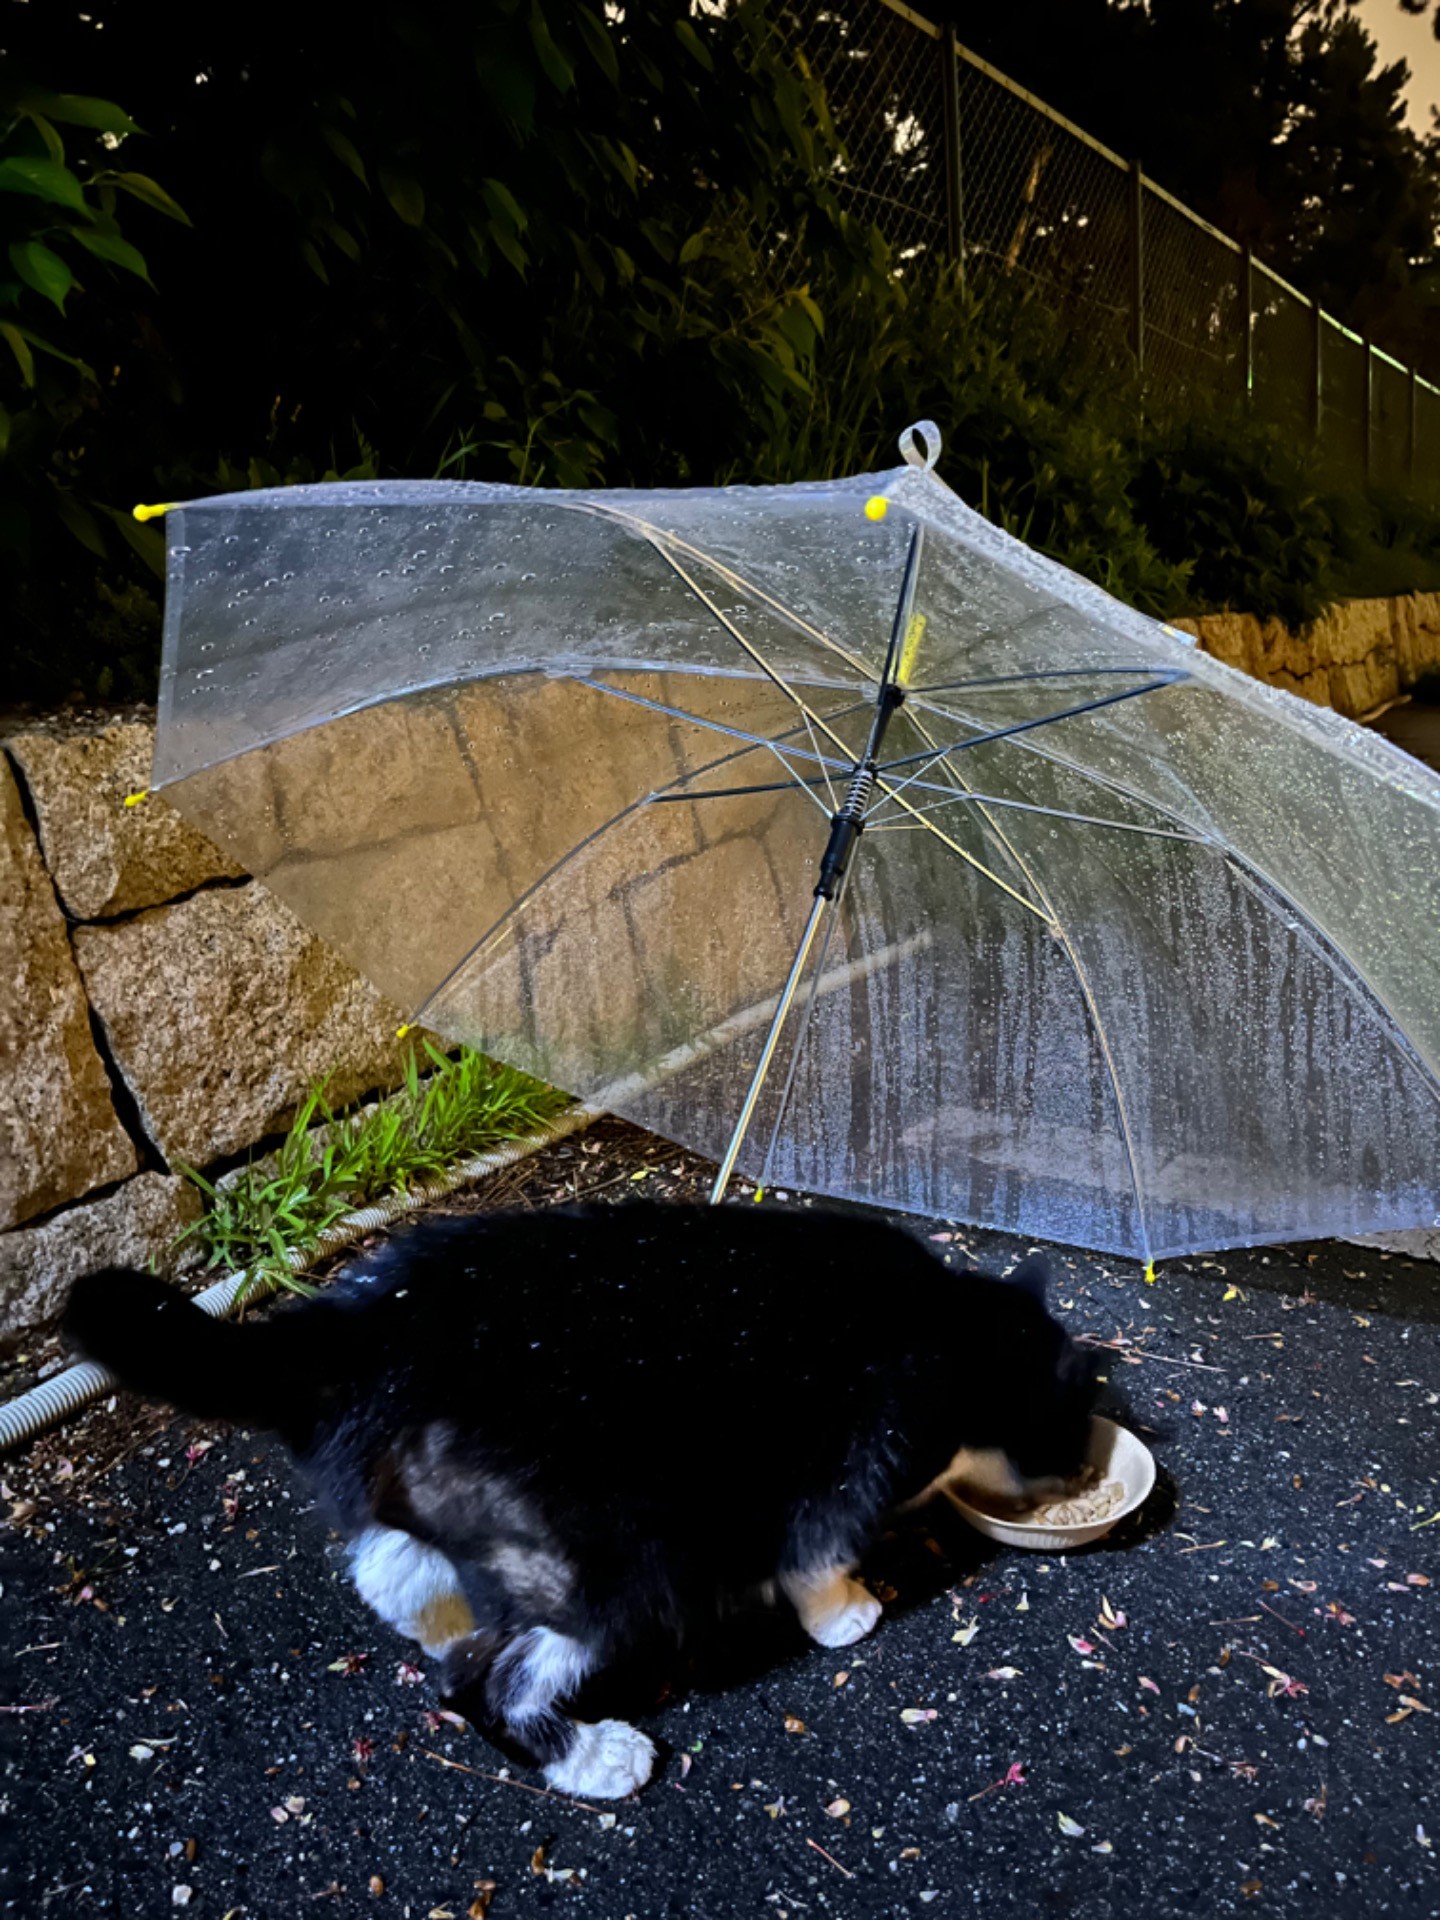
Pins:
<point x="1033" y="1277"/>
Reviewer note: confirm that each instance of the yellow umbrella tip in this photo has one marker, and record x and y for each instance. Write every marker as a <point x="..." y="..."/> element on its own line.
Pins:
<point x="1149" y="1273"/>
<point x="153" y="513"/>
<point x="876" y="507"/>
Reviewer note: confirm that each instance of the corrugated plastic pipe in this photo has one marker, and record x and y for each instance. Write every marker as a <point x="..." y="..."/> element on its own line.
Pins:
<point x="21" y="1419"/>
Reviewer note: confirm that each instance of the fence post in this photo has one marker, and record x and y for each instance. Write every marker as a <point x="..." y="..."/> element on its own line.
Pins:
<point x="1317" y="390"/>
<point x="1137" y="263"/>
<point x="1369" y="410"/>
<point x="1247" y="320"/>
<point x="954" y="169"/>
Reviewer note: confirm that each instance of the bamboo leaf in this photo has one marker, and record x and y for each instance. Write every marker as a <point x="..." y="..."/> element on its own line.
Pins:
<point x="118" y="252"/>
<point x="44" y="179"/>
<point x="42" y="270"/>
<point x="405" y="195"/>
<point x="77" y="110"/>
<point x="141" y="187"/>
<point x="345" y="151"/>
<point x="20" y="347"/>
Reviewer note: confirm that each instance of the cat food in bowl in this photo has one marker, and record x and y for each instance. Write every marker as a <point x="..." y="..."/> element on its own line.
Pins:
<point x="1115" y="1481"/>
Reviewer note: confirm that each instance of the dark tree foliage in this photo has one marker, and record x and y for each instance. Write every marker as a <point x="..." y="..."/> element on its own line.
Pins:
<point x="508" y="239"/>
<point x="547" y="241"/>
<point x="433" y="214"/>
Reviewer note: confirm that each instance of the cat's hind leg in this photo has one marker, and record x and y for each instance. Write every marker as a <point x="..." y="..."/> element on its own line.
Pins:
<point x="511" y="1691"/>
<point x="834" y="1608"/>
<point x="412" y="1587"/>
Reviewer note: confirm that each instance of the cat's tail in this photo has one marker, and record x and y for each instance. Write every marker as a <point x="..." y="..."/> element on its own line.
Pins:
<point x="157" y="1342"/>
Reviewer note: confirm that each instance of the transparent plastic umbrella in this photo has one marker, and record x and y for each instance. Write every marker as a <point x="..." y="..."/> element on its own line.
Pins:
<point x="1111" y="945"/>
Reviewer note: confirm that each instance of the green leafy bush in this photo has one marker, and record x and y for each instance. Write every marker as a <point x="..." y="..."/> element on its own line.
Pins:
<point x="1228" y="497"/>
<point x="63" y="244"/>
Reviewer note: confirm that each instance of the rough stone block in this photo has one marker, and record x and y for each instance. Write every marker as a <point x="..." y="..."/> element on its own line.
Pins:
<point x="60" y="1136"/>
<point x="1356" y="658"/>
<point x="107" y="858"/>
<point x="129" y="1227"/>
<point x="222" y="1010"/>
<point x="1416" y="625"/>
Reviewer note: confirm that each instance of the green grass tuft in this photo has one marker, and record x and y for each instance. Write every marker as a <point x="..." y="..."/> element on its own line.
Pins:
<point x="329" y="1164"/>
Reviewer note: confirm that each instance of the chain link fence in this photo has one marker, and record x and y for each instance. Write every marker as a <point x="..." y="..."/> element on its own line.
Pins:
<point x="950" y="159"/>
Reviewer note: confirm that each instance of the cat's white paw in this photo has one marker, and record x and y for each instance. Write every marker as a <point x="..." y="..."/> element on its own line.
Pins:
<point x="607" y="1761"/>
<point x="852" y="1611"/>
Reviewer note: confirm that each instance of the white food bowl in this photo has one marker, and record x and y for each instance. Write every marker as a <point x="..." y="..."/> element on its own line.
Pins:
<point x="1118" y="1455"/>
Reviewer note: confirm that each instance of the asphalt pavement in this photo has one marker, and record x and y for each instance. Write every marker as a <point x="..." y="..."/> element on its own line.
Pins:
<point x="1230" y="1707"/>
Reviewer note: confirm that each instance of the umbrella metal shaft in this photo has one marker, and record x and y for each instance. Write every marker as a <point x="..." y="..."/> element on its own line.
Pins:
<point x="847" y="823"/>
<point x="767" y="1052"/>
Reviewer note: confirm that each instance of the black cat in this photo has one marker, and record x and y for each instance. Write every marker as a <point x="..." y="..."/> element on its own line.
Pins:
<point x="552" y="1438"/>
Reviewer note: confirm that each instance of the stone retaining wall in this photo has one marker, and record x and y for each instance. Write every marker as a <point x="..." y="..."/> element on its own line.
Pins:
<point x="159" y="1009"/>
<point x="1357" y="658"/>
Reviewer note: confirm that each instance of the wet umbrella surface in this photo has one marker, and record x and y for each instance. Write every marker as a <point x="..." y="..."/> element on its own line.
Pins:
<point x="831" y="825"/>
<point x="1228" y="1710"/>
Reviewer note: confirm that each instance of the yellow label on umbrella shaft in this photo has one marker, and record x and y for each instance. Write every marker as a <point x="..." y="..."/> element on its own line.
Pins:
<point x="914" y="634"/>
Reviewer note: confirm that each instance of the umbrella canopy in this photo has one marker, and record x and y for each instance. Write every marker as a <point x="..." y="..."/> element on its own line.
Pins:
<point x="1112" y="945"/>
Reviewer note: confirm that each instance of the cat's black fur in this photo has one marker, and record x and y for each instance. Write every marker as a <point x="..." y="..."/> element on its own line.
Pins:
<point x="609" y="1420"/>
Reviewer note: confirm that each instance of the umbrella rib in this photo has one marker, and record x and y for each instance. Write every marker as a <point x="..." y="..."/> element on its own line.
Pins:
<point x="1168" y="679"/>
<point x="919" y="819"/>
<point x="738" y="793"/>
<point x="1057" y="758"/>
<point x="1053" y="813"/>
<point x="749" y="646"/>
<point x="787" y="614"/>
<point x="1087" y="994"/>
<point x="1046" y="673"/>
<point x="719" y="726"/>
<point x="734" y="733"/>
<point x="829" y="783"/>
<point x="448" y="683"/>
<point x="655" y="535"/>
<point x="876" y="823"/>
